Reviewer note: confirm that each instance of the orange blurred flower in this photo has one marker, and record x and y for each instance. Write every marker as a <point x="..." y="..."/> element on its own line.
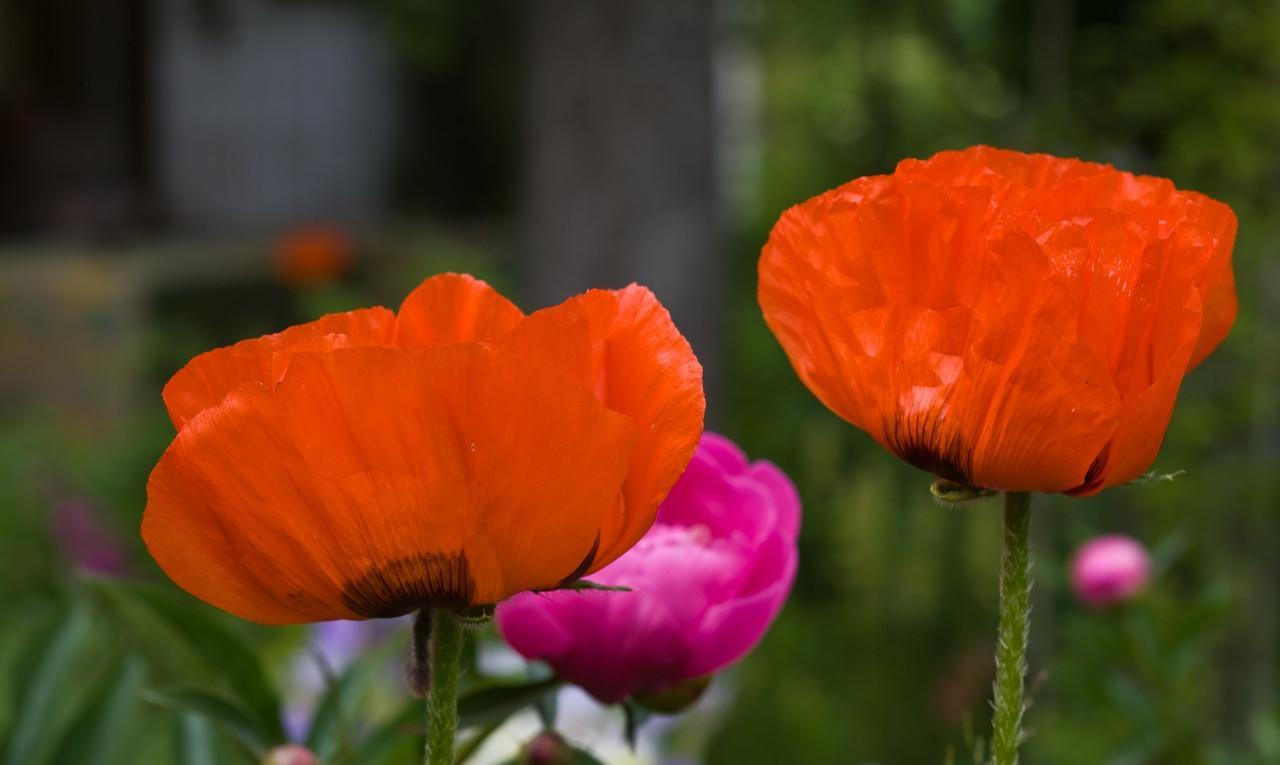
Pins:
<point x="1011" y="321"/>
<point x="313" y="254"/>
<point x="369" y="463"/>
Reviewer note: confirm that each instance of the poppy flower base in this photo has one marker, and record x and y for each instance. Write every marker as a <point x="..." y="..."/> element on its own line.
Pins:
<point x="1015" y="621"/>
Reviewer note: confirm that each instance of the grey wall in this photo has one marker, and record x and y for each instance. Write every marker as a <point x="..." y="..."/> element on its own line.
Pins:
<point x="278" y="113"/>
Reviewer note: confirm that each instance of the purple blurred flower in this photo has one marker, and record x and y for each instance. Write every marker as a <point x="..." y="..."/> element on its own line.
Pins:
<point x="332" y="647"/>
<point x="1109" y="569"/>
<point x="707" y="580"/>
<point x="84" y="541"/>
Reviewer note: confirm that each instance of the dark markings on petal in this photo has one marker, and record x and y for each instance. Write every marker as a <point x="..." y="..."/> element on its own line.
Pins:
<point x="585" y="565"/>
<point x="408" y="584"/>
<point x="1093" y="476"/>
<point x="920" y="440"/>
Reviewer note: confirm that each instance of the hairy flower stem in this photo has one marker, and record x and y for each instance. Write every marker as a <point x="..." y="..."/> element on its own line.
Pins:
<point x="445" y="653"/>
<point x="1015" y="619"/>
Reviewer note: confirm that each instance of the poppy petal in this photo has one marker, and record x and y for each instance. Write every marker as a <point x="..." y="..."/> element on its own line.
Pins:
<point x="622" y="345"/>
<point x="209" y="377"/>
<point x="373" y="481"/>
<point x="896" y="303"/>
<point x="1034" y="404"/>
<point x="1160" y="334"/>
<point x="1217" y="282"/>
<point x="453" y="308"/>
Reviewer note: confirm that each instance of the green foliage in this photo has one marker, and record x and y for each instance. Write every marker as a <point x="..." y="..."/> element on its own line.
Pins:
<point x="494" y="702"/>
<point x="168" y="628"/>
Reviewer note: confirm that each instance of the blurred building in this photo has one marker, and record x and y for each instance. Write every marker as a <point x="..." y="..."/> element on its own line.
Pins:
<point x="196" y="114"/>
<point x="274" y="113"/>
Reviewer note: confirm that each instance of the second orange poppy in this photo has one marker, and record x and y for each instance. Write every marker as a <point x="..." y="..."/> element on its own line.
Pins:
<point x="1010" y="321"/>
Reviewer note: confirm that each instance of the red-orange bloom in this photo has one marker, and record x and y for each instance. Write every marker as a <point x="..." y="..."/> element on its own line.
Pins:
<point x="371" y="463"/>
<point x="1012" y="321"/>
<point x="313" y="254"/>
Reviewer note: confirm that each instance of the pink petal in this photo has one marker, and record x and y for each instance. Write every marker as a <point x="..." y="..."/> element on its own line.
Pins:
<point x="729" y="630"/>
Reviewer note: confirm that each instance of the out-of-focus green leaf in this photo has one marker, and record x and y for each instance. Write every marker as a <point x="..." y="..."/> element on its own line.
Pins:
<point x="103" y="725"/>
<point x="33" y="735"/>
<point x="489" y="703"/>
<point x="149" y="608"/>
<point x="634" y="715"/>
<point x="232" y="717"/>
<point x="389" y="737"/>
<point x="546" y="707"/>
<point x="14" y="639"/>
<point x="472" y="743"/>
<point x="196" y="743"/>
<point x="325" y="736"/>
<point x="583" y="757"/>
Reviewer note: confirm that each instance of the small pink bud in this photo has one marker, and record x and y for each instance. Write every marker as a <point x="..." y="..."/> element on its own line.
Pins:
<point x="547" y="748"/>
<point x="1110" y="569"/>
<point x="290" y="754"/>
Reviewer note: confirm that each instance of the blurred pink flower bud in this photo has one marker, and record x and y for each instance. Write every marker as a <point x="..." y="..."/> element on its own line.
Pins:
<point x="547" y="748"/>
<point x="290" y="754"/>
<point x="706" y="581"/>
<point x="85" y="541"/>
<point x="1109" y="569"/>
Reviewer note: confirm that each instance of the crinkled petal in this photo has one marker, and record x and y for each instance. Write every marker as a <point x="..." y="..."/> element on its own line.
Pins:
<point x="453" y="308"/>
<point x="372" y="481"/>
<point x="937" y="327"/>
<point x="209" y="377"/>
<point x="623" y="345"/>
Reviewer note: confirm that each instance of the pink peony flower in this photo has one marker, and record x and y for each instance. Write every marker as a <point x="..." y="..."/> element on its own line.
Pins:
<point x="707" y="580"/>
<point x="1109" y="569"/>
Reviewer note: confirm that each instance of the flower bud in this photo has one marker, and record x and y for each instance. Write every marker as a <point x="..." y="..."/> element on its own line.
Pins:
<point x="547" y="748"/>
<point x="1109" y="569"/>
<point x="290" y="754"/>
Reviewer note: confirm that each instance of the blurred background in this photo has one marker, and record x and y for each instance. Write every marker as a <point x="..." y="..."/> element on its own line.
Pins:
<point x="180" y="174"/>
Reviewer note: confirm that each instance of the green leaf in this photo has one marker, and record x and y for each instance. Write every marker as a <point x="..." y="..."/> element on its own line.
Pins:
<point x="471" y="744"/>
<point x="405" y="725"/>
<point x="157" y="614"/>
<point x="583" y="757"/>
<point x="196" y="744"/>
<point x="325" y="737"/>
<point x="232" y="717"/>
<point x="105" y="722"/>
<point x="31" y="737"/>
<point x="496" y="702"/>
<point x="634" y="716"/>
<point x="547" y="706"/>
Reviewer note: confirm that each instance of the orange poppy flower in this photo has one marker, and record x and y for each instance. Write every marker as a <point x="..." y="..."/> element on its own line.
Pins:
<point x="370" y="463"/>
<point x="1011" y="321"/>
<point x="313" y="254"/>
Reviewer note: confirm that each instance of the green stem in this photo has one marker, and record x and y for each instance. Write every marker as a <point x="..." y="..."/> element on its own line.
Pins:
<point x="447" y="635"/>
<point x="1015" y="619"/>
